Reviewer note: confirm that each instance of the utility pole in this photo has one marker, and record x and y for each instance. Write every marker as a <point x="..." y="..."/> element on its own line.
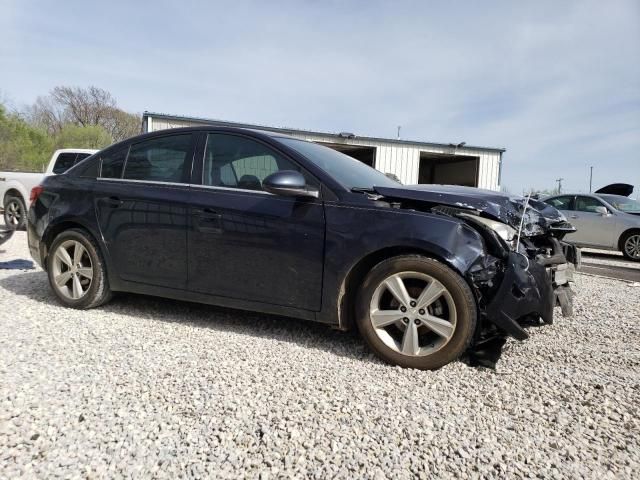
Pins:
<point x="559" y="180"/>
<point x="590" y="179"/>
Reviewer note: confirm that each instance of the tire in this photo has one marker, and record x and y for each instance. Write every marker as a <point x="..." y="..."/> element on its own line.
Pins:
<point x="630" y="245"/>
<point x="446" y="326"/>
<point x="74" y="266"/>
<point x="15" y="212"/>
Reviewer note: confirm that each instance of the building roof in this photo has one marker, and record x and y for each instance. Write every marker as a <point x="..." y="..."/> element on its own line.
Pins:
<point x="287" y="130"/>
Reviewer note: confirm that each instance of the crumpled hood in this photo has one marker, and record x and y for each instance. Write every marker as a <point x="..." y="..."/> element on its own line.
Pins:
<point x="540" y="217"/>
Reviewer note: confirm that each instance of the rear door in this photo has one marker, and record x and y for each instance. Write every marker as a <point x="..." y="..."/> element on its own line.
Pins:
<point x="245" y="243"/>
<point x="141" y="202"/>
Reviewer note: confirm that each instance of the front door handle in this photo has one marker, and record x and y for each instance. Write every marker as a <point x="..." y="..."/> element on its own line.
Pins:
<point x="207" y="220"/>
<point x="574" y="216"/>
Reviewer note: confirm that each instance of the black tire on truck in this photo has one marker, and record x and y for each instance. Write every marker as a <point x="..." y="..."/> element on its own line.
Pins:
<point x="15" y="212"/>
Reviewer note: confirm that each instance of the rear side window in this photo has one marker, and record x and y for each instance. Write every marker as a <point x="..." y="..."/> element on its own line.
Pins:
<point x="64" y="162"/>
<point x="561" y="203"/>
<point x="159" y="159"/>
<point x="112" y="163"/>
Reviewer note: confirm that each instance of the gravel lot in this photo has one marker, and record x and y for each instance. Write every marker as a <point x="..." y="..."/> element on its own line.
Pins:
<point x="150" y="387"/>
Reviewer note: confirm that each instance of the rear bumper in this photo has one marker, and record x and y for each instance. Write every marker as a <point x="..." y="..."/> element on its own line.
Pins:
<point x="36" y="247"/>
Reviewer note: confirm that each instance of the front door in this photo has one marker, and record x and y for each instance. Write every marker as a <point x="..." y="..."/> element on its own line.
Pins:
<point x="594" y="229"/>
<point x="245" y="243"/>
<point x="141" y="201"/>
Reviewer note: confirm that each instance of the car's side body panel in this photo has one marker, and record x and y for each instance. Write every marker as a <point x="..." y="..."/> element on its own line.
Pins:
<point x="357" y="229"/>
<point x="256" y="246"/>
<point x="144" y="228"/>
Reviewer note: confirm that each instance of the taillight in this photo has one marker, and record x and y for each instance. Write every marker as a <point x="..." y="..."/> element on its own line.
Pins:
<point x="35" y="193"/>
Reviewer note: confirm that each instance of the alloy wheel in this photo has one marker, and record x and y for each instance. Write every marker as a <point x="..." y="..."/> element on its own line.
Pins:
<point x="72" y="269"/>
<point x="14" y="213"/>
<point x="632" y="246"/>
<point x="413" y="313"/>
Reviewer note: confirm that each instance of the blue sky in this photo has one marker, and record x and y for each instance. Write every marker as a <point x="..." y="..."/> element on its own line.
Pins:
<point x="556" y="83"/>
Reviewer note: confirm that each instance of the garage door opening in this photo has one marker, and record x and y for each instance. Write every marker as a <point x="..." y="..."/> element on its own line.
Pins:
<point x="448" y="169"/>
<point x="366" y="155"/>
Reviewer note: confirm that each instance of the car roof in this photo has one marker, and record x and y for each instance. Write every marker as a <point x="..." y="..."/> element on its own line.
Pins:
<point x="212" y="128"/>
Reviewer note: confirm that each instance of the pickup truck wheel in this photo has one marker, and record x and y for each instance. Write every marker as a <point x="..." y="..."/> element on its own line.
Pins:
<point x="631" y="246"/>
<point x="76" y="270"/>
<point x="416" y="312"/>
<point x="15" y="213"/>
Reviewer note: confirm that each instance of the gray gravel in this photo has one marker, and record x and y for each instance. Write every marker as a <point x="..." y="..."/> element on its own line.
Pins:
<point x="150" y="387"/>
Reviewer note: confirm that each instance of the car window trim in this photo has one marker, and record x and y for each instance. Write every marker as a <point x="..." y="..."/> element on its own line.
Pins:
<point x="149" y="182"/>
<point x="231" y="189"/>
<point x="210" y="187"/>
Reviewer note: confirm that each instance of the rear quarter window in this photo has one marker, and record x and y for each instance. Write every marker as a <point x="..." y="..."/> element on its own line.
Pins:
<point x="112" y="163"/>
<point x="89" y="169"/>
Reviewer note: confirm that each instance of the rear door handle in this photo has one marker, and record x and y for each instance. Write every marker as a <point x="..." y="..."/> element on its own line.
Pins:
<point x="574" y="216"/>
<point x="113" y="202"/>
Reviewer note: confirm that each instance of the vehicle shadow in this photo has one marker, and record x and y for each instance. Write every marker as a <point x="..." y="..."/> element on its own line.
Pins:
<point x="35" y="286"/>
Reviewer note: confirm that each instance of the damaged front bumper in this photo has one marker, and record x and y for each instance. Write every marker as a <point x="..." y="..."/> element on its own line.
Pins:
<point x="529" y="290"/>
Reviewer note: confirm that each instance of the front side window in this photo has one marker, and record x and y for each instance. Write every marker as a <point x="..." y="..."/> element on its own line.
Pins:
<point x="64" y="162"/>
<point x="587" y="204"/>
<point x="158" y="159"/>
<point x="624" y="204"/>
<point x="237" y="162"/>
<point x="113" y="162"/>
<point x="561" y="203"/>
<point x="348" y="171"/>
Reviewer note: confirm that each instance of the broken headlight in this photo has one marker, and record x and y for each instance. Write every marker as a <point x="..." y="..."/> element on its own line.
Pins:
<point x="503" y="230"/>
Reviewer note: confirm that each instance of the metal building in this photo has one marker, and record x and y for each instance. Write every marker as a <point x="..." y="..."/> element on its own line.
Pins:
<point x="410" y="161"/>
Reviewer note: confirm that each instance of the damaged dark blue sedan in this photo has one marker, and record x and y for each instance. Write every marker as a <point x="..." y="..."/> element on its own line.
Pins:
<point x="264" y="222"/>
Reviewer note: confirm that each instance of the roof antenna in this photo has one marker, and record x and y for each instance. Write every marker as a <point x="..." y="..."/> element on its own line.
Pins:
<point x="399" y="127"/>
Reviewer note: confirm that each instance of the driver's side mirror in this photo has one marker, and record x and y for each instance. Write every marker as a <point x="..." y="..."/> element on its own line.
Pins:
<point x="289" y="183"/>
<point x="602" y="211"/>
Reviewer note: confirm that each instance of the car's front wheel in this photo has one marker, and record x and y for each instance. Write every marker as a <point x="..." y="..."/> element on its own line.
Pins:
<point x="416" y="312"/>
<point x="76" y="270"/>
<point x="631" y="246"/>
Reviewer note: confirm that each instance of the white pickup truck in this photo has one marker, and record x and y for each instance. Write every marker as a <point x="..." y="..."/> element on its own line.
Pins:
<point x="15" y="187"/>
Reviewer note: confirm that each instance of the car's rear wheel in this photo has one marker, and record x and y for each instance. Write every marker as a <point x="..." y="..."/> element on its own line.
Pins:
<point x="76" y="270"/>
<point x="416" y="312"/>
<point x="15" y="212"/>
<point x="631" y="246"/>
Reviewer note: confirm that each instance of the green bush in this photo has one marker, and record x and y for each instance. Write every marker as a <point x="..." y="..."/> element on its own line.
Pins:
<point x="76" y="136"/>
<point x="22" y="147"/>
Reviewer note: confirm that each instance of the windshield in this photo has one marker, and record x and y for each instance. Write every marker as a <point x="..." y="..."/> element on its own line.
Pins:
<point x="624" y="204"/>
<point x="347" y="171"/>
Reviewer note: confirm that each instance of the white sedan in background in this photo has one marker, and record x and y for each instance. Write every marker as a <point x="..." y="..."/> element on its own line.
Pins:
<point x="602" y="220"/>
